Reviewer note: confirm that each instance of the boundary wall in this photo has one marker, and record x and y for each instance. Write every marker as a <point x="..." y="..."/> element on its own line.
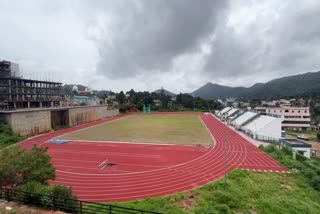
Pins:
<point x="36" y="121"/>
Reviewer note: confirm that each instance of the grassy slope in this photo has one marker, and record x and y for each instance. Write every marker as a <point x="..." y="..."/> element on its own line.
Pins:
<point x="7" y="137"/>
<point x="176" y="129"/>
<point x="247" y="192"/>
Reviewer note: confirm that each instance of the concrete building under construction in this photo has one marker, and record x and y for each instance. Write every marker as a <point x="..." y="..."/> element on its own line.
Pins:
<point x="17" y="92"/>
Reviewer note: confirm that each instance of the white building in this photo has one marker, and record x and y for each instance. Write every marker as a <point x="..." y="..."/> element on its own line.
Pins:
<point x="295" y="118"/>
<point x="299" y="146"/>
<point x="265" y="128"/>
<point x="243" y="119"/>
<point x="223" y="111"/>
<point x="231" y="112"/>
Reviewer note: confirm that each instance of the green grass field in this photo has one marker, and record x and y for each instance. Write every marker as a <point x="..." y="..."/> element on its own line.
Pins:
<point x="162" y="129"/>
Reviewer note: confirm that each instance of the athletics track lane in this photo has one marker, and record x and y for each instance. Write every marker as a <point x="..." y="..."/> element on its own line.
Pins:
<point x="171" y="179"/>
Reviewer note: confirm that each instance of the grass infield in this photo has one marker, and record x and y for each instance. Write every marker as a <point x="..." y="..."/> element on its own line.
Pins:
<point x="162" y="129"/>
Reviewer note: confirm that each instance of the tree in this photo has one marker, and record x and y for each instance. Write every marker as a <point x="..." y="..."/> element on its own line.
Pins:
<point x="121" y="98"/>
<point x="20" y="166"/>
<point x="131" y="92"/>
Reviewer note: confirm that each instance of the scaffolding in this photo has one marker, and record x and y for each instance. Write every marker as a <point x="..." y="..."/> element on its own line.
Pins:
<point x="16" y="92"/>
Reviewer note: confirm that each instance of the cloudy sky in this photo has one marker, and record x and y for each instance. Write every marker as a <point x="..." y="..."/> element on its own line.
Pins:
<point x="143" y="44"/>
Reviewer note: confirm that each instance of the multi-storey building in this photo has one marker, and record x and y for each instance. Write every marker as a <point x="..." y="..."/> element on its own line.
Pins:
<point x="295" y="118"/>
<point x="16" y="92"/>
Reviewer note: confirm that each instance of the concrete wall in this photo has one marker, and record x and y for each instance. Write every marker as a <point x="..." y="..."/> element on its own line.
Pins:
<point x="78" y="116"/>
<point x="33" y="122"/>
<point x="306" y="151"/>
<point x="30" y="123"/>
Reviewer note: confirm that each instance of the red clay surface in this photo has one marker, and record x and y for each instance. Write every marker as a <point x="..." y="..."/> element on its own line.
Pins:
<point x="144" y="170"/>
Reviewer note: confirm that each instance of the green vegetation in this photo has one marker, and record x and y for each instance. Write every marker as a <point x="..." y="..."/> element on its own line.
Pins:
<point x="57" y="128"/>
<point x="174" y="129"/>
<point x="19" y="166"/>
<point x="28" y="171"/>
<point x="249" y="192"/>
<point x="246" y="192"/>
<point x="306" y="170"/>
<point x="163" y="102"/>
<point x="7" y="137"/>
<point x="37" y="197"/>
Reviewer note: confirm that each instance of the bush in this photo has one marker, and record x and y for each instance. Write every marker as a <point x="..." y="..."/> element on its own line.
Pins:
<point x="7" y="137"/>
<point x="31" y="193"/>
<point x="315" y="182"/>
<point x="62" y="193"/>
<point x="318" y="135"/>
<point x="51" y="197"/>
<point x="124" y="107"/>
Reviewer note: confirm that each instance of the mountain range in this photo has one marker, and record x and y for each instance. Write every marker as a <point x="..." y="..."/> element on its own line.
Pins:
<point x="282" y="87"/>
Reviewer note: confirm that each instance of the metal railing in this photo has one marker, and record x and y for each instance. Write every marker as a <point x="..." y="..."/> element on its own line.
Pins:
<point x="68" y="205"/>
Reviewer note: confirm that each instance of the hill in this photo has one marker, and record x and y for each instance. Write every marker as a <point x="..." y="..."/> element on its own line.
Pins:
<point x="168" y="93"/>
<point x="212" y="91"/>
<point x="282" y="87"/>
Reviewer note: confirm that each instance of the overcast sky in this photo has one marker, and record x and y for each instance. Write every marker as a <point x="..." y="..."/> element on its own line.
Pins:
<point x="143" y="44"/>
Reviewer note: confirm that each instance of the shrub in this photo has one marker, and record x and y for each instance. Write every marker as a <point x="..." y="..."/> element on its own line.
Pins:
<point x="41" y="195"/>
<point x="7" y="136"/>
<point x="62" y="193"/>
<point x="315" y="182"/>
<point x="31" y="193"/>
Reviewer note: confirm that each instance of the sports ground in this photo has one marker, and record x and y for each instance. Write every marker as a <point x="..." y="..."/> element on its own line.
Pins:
<point x="152" y="165"/>
<point x="154" y="128"/>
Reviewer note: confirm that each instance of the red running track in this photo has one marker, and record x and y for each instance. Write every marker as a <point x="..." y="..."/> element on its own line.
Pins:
<point x="158" y="177"/>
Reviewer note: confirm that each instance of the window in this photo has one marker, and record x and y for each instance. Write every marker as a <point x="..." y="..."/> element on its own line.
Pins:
<point x="305" y="111"/>
<point x="299" y="111"/>
<point x="286" y="111"/>
<point x="292" y="111"/>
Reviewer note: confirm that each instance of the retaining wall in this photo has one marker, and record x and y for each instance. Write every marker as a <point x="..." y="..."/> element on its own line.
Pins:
<point x="78" y="116"/>
<point x="36" y="121"/>
<point x="29" y="123"/>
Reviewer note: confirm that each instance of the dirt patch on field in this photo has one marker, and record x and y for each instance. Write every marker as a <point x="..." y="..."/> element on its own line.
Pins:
<point x="12" y="207"/>
<point x="189" y="202"/>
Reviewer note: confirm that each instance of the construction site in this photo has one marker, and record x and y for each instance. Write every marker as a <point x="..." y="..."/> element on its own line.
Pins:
<point x="32" y="107"/>
<point x="17" y="92"/>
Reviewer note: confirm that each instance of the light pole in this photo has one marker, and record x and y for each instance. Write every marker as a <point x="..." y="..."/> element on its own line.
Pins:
<point x="225" y="152"/>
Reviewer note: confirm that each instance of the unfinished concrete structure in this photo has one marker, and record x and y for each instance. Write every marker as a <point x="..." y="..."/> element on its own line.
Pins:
<point x="28" y="122"/>
<point x="16" y="92"/>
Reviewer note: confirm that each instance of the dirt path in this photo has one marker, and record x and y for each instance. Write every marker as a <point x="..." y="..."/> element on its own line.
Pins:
<point x="12" y="207"/>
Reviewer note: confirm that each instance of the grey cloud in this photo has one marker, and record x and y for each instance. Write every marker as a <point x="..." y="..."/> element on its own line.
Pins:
<point x="150" y="37"/>
<point x="285" y="46"/>
<point x="149" y="43"/>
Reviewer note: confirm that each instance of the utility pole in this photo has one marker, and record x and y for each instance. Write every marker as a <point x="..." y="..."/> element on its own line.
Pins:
<point x="225" y="152"/>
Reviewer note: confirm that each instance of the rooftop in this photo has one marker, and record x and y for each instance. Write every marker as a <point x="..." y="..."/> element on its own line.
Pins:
<point x="296" y="143"/>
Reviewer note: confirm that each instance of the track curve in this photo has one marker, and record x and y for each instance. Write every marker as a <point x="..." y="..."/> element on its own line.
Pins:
<point x="168" y="180"/>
